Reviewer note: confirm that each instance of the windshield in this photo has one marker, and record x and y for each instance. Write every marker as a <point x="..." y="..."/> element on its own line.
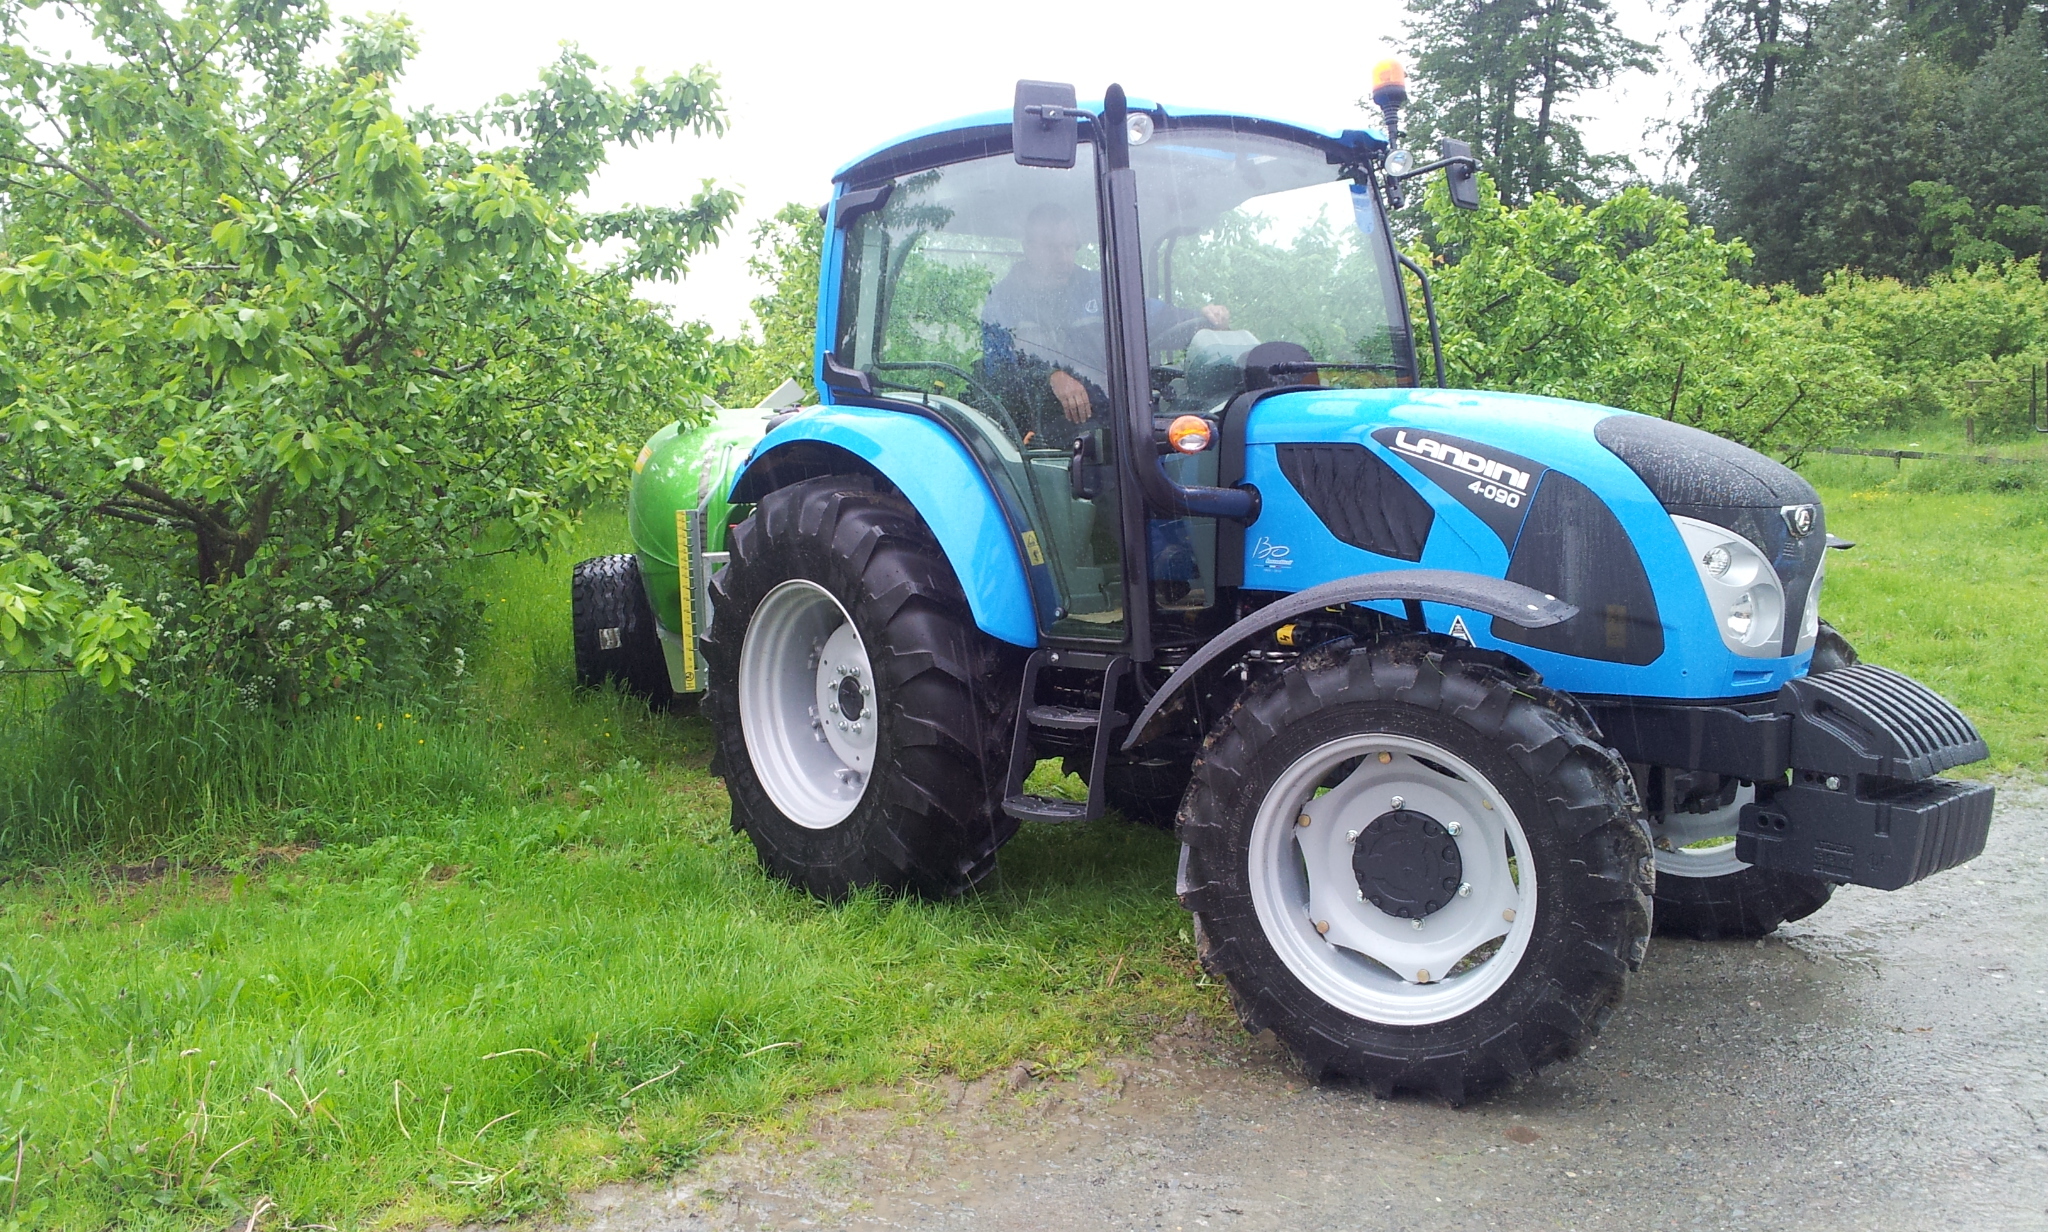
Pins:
<point x="1251" y="241"/>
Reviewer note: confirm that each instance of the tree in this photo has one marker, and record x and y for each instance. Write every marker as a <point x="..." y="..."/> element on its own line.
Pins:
<point x="1822" y="180"/>
<point x="1880" y="145"/>
<point x="787" y="251"/>
<point x="1628" y="304"/>
<point x="1504" y="74"/>
<point x="1751" y="45"/>
<point x="277" y="358"/>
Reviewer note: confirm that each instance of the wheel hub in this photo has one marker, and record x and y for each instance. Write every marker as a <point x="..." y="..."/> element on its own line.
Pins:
<point x="1407" y="864"/>
<point x="850" y="698"/>
<point x="807" y="704"/>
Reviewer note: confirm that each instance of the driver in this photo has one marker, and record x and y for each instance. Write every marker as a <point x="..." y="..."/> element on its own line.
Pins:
<point x="1042" y="329"/>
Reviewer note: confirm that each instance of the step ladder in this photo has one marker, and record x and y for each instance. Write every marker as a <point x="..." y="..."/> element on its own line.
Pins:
<point x="1105" y="721"/>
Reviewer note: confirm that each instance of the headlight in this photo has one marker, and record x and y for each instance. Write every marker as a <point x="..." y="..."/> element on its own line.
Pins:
<point x="1809" y="619"/>
<point x="1742" y="589"/>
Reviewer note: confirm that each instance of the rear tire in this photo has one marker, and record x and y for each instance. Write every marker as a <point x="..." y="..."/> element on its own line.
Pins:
<point x="911" y="800"/>
<point x="1559" y="872"/>
<point x="614" y="630"/>
<point x="1709" y="895"/>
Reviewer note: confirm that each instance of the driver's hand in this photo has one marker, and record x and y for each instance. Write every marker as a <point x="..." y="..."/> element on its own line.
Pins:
<point x="1073" y="396"/>
<point x="1216" y="315"/>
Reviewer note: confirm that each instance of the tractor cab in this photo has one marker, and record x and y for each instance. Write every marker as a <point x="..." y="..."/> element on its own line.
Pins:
<point x="1079" y="359"/>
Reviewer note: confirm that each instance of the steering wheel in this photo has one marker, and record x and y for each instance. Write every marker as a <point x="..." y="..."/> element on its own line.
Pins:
<point x="995" y="405"/>
<point x="1177" y="337"/>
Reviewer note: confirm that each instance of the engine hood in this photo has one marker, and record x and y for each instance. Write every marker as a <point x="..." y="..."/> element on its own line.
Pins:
<point x="1559" y="494"/>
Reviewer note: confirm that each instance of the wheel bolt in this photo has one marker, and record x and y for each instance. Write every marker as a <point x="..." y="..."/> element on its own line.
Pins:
<point x="1465" y="890"/>
<point x="1351" y="836"/>
<point x="1302" y="820"/>
<point x="1385" y="758"/>
<point x="1397" y="802"/>
<point x="1416" y="925"/>
<point x="1422" y="977"/>
<point x="1508" y="915"/>
<point x="1452" y="828"/>
<point x="1323" y="928"/>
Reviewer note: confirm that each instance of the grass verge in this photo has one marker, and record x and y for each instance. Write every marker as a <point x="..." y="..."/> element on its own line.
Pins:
<point x="444" y="960"/>
<point x="1946" y="584"/>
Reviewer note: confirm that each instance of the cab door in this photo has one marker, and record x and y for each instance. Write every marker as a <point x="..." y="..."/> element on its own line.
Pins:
<point x="973" y="292"/>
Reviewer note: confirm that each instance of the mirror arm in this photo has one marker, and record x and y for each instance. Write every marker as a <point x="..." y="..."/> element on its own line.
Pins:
<point x="1470" y="164"/>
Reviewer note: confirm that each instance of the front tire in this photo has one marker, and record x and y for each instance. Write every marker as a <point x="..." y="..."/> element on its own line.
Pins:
<point x="1513" y="843"/>
<point x="863" y="720"/>
<point x="1703" y="891"/>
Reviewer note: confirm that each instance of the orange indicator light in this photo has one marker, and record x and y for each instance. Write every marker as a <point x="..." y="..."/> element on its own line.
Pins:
<point x="1189" y="434"/>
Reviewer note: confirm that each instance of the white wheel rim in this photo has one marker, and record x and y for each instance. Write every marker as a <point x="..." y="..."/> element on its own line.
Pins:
<point x="1368" y="963"/>
<point x="1699" y="844"/>
<point x="807" y="704"/>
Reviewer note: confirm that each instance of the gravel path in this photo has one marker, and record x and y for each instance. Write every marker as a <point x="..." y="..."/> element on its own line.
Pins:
<point x="1882" y="1065"/>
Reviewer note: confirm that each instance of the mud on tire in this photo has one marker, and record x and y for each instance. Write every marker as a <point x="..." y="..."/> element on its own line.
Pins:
<point x="1537" y="750"/>
<point x="929" y="819"/>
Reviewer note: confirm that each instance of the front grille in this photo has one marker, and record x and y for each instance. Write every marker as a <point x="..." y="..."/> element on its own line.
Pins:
<point x="1871" y="720"/>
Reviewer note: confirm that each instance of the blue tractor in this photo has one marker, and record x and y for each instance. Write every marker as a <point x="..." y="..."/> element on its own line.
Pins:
<point x="1124" y="459"/>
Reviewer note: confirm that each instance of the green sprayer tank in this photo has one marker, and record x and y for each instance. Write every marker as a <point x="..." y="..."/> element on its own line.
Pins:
<point x="680" y="481"/>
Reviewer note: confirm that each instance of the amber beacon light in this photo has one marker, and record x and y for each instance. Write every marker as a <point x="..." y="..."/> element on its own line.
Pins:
<point x="1390" y="93"/>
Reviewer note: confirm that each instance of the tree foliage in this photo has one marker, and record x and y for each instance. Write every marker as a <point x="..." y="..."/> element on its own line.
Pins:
<point x="276" y="356"/>
<point x="786" y="255"/>
<point x="1505" y="74"/>
<point x="1630" y="304"/>
<point x="1900" y="143"/>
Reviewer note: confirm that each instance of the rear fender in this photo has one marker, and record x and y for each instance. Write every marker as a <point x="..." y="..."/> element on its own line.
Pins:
<point x="935" y="473"/>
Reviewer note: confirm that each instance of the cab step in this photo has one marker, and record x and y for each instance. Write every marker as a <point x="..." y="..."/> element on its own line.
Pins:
<point x="1106" y="721"/>
<point x="1052" y="809"/>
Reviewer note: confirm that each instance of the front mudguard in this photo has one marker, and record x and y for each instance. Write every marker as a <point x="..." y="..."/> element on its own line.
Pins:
<point x="934" y="471"/>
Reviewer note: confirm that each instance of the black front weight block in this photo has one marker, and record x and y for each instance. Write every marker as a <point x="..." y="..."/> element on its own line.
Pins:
<point x="1860" y="807"/>
<point x="1871" y="832"/>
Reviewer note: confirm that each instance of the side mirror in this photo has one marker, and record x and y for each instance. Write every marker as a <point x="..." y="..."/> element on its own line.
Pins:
<point x="1045" y="126"/>
<point x="1462" y="177"/>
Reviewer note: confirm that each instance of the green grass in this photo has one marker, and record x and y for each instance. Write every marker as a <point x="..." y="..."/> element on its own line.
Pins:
<point x="1948" y="583"/>
<point x="442" y="958"/>
<point x="523" y="906"/>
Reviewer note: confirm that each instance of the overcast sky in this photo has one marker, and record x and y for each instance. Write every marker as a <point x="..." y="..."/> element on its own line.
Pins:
<point x="810" y="86"/>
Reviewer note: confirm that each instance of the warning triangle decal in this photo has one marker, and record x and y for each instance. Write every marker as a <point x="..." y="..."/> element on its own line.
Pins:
<point x="1459" y="631"/>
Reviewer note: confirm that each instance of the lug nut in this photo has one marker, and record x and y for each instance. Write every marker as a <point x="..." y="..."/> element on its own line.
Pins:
<point x="1385" y="758"/>
<point x="1422" y="977"/>
<point x="1508" y="915"/>
<point x="1465" y="890"/>
<point x="1302" y="820"/>
<point x="1834" y="782"/>
<point x="1351" y="836"/>
<point x="1416" y="925"/>
<point x="1452" y="828"/>
<point x="1323" y="927"/>
<point x="1397" y="802"/>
